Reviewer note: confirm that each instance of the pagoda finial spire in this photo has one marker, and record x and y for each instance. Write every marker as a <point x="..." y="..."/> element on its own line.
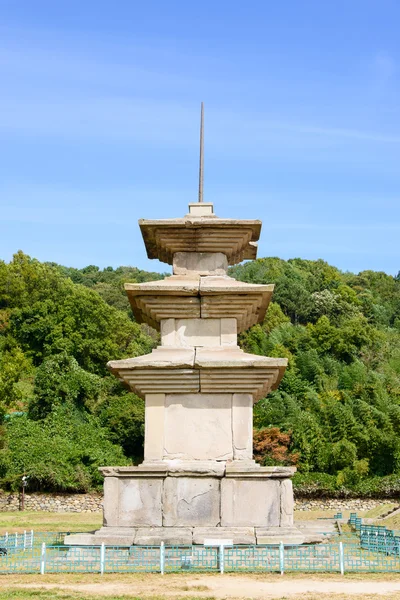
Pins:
<point x="201" y="164"/>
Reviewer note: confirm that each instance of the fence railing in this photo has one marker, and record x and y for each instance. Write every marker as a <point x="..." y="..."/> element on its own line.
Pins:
<point x="370" y="549"/>
<point x="17" y="541"/>
<point x="376" y="538"/>
<point x="338" y="557"/>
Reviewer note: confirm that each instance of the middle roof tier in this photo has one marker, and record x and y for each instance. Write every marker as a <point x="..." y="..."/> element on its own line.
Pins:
<point x="212" y="297"/>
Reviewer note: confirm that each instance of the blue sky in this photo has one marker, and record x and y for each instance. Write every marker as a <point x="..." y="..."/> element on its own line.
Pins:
<point x="99" y="114"/>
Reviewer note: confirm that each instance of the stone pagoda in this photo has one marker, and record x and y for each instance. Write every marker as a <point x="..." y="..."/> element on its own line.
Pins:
<point x="198" y="479"/>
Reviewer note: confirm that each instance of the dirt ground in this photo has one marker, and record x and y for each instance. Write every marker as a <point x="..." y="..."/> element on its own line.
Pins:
<point x="205" y="586"/>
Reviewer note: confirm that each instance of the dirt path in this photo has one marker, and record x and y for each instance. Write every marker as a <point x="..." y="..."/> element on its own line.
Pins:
<point x="225" y="587"/>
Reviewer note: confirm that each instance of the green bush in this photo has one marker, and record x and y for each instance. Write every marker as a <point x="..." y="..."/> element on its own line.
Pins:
<point x="123" y="416"/>
<point x="59" y="453"/>
<point x="322" y="485"/>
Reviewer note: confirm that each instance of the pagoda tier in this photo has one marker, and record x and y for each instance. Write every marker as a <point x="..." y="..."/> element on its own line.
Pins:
<point x="206" y="297"/>
<point x="201" y="233"/>
<point x="177" y="370"/>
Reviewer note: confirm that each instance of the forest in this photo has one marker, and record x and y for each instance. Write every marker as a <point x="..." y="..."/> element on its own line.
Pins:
<point x="335" y="416"/>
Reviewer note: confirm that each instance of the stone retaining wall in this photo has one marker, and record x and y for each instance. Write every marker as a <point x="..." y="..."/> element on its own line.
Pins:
<point x="53" y="502"/>
<point x="94" y="503"/>
<point x="337" y="504"/>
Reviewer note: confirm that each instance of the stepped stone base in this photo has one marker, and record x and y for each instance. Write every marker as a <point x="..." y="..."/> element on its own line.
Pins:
<point x="186" y="536"/>
<point x="182" y="502"/>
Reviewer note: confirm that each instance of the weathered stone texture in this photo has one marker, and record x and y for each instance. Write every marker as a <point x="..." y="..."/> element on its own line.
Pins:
<point x="250" y="502"/>
<point x="154" y="426"/>
<point x="190" y="502"/>
<point x="111" y="507"/>
<point x="169" y="535"/>
<point x="242" y="426"/>
<point x="201" y="263"/>
<point x="198" y="426"/>
<point x="140" y="502"/>
<point x="287" y="503"/>
<point x="239" y="535"/>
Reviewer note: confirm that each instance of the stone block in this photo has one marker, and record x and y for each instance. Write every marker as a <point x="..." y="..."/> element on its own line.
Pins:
<point x="198" y="332"/>
<point x="198" y="427"/>
<point x="275" y="535"/>
<point x="82" y="539"/>
<point x="154" y="427"/>
<point x="191" y="501"/>
<point x="239" y="535"/>
<point x="242" y="426"/>
<point x="116" y="531"/>
<point x="197" y="468"/>
<point x="111" y="501"/>
<point x="228" y="332"/>
<point x="153" y="536"/>
<point x="201" y="209"/>
<point x="287" y="503"/>
<point x="200" y="263"/>
<point x="140" y="502"/>
<point x="250" y="502"/>
<point x="168" y="333"/>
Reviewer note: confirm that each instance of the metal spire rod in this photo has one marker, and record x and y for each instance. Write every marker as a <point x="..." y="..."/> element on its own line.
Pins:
<point x="201" y="165"/>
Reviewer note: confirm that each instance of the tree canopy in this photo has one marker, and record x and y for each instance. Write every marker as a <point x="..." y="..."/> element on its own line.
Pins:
<point x="336" y="414"/>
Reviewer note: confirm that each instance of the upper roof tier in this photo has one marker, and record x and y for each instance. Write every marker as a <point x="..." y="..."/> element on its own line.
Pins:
<point x="201" y="231"/>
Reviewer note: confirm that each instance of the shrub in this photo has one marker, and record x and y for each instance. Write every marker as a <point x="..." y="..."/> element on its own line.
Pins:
<point x="60" y="453"/>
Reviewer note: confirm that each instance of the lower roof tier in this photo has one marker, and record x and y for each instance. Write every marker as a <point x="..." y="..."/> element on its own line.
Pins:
<point x="206" y="370"/>
<point x="210" y="297"/>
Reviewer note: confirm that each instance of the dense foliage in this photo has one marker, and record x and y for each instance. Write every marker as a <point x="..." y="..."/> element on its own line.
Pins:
<point x="336" y="415"/>
<point x="340" y="397"/>
<point x="63" y="414"/>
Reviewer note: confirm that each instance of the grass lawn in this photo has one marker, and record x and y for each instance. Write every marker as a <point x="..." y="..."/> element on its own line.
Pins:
<point x="49" y="521"/>
<point x="374" y="513"/>
<point x="380" y="510"/>
<point x="390" y="522"/>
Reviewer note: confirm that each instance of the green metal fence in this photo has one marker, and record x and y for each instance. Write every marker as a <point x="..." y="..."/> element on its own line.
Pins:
<point x="367" y="548"/>
<point x="338" y="557"/>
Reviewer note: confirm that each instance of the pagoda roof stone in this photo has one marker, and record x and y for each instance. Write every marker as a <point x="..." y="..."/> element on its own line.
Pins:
<point x="234" y="238"/>
<point x="172" y="370"/>
<point x="208" y="297"/>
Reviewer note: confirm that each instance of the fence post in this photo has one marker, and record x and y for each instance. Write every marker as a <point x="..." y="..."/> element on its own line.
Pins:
<point x="221" y="557"/>
<point x="43" y="559"/>
<point x="31" y="538"/>
<point x="24" y="539"/>
<point x="6" y="540"/>
<point x="102" y="558"/>
<point x="16" y="540"/>
<point x="341" y="558"/>
<point x="282" y="557"/>
<point x="162" y="558"/>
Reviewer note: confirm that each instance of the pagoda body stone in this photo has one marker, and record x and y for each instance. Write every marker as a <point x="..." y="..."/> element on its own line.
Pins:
<point x="198" y="478"/>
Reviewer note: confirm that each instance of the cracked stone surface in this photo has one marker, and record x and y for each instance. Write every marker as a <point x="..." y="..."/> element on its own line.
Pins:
<point x="191" y="502"/>
<point x="250" y="502"/>
<point x="139" y="502"/>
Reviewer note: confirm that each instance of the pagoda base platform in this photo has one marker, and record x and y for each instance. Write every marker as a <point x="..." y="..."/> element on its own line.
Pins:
<point x="186" y="502"/>
<point x="187" y="536"/>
